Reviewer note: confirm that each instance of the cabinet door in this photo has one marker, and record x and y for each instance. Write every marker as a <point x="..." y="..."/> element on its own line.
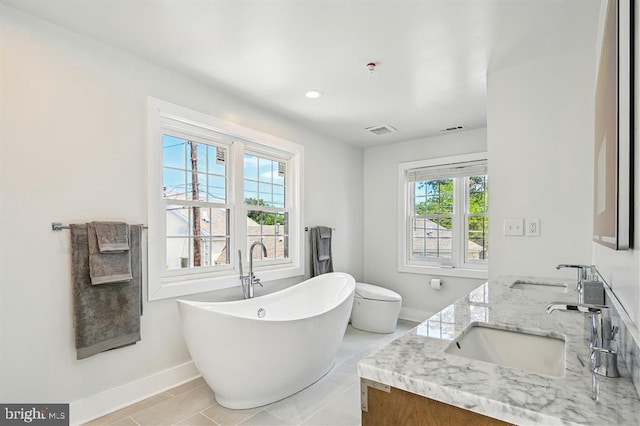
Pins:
<point x="398" y="407"/>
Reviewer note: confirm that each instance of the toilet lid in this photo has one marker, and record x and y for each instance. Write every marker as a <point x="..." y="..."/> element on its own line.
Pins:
<point x="373" y="292"/>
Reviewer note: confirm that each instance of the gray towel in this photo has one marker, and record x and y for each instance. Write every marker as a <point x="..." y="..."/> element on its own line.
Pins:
<point x="110" y="267"/>
<point x="112" y="236"/>
<point x="321" y="261"/>
<point x="325" y="232"/>
<point x="106" y="316"/>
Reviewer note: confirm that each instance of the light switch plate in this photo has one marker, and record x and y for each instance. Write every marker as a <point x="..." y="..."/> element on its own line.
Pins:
<point x="514" y="227"/>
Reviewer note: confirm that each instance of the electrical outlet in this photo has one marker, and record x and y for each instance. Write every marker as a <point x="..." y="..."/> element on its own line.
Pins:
<point x="532" y="227"/>
<point x="513" y="227"/>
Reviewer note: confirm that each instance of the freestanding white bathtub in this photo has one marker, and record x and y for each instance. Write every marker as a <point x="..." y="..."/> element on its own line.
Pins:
<point x="256" y="351"/>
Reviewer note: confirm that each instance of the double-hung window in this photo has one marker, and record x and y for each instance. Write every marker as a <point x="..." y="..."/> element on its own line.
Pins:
<point x="265" y="189"/>
<point x="194" y="194"/>
<point x="443" y="223"/>
<point x="214" y="188"/>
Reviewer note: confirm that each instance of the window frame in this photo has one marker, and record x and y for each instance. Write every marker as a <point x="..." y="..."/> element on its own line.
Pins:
<point x="443" y="261"/>
<point x="458" y="265"/>
<point x="270" y="209"/>
<point x="164" y="117"/>
<point x="171" y="273"/>
<point x="471" y="263"/>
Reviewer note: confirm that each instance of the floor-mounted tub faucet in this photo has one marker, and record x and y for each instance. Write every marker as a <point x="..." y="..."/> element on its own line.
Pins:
<point x="252" y="278"/>
<point x="249" y="281"/>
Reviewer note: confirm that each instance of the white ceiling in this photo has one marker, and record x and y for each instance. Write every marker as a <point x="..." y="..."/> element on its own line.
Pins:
<point x="432" y="56"/>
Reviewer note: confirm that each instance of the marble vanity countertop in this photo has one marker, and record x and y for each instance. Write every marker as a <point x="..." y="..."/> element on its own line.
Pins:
<point x="417" y="363"/>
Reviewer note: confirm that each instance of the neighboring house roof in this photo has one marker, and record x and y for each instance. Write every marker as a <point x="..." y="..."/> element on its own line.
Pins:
<point x="273" y="242"/>
<point x="430" y="237"/>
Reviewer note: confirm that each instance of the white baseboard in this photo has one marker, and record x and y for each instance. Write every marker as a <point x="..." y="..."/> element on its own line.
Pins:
<point x="110" y="400"/>
<point x="416" y="315"/>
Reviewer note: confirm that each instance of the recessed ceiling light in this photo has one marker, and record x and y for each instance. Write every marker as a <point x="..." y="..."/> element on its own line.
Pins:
<point x="313" y="94"/>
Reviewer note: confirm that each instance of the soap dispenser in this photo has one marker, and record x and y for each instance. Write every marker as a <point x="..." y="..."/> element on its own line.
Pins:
<point x="593" y="288"/>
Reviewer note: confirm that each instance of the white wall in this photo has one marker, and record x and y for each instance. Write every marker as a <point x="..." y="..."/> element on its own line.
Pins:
<point x="621" y="269"/>
<point x="73" y="150"/>
<point x="540" y="140"/>
<point x="419" y="300"/>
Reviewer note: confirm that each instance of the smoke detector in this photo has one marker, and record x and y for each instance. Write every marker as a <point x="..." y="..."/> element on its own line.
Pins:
<point x="381" y="130"/>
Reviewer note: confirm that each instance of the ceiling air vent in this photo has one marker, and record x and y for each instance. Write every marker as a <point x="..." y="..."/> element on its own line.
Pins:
<point x="452" y="129"/>
<point x="381" y="130"/>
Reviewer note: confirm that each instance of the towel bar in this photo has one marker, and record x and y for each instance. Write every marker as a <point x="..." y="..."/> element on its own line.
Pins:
<point x="306" y="228"/>
<point x="56" y="226"/>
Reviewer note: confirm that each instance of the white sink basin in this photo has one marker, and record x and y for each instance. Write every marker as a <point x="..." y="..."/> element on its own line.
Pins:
<point x="529" y="285"/>
<point x="514" y="349"/>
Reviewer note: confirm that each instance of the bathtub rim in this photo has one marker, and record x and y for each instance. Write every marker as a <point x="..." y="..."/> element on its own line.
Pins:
<point x="209" y="306"/>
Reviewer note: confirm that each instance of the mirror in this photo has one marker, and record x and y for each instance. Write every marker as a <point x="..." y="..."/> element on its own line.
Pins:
<point x="612" y="216"/>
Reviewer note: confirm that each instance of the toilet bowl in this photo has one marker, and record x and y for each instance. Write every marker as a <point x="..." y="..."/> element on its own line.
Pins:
<point x="375" y="309"/>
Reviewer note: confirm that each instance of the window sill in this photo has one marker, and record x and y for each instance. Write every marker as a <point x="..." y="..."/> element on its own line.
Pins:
<point x="441" y="271"/>
<point x="175" y="287"/>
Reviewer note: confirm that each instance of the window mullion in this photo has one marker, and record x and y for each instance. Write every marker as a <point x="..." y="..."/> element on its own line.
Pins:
<point x="459" y="209"/>
<point x="465" y="221"/>
<point x="236" y="194"/>
<point x="410" y="191"/>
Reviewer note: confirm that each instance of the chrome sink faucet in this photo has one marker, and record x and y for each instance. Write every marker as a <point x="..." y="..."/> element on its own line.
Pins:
<point x="249" y="281"/>
<point x="582" y="277"/>
<point x="600" y="330"/>
<point x="601" y="335"/>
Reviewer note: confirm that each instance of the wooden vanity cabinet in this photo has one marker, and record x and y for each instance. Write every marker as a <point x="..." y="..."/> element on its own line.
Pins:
<point x="389" y="406"/>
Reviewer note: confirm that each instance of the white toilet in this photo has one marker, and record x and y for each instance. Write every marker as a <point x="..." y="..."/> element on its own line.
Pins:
<point x="375" y="309"/>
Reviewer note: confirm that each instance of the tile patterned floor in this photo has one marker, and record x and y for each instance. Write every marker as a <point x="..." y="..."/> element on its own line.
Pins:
<point x="332" y="401"/>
